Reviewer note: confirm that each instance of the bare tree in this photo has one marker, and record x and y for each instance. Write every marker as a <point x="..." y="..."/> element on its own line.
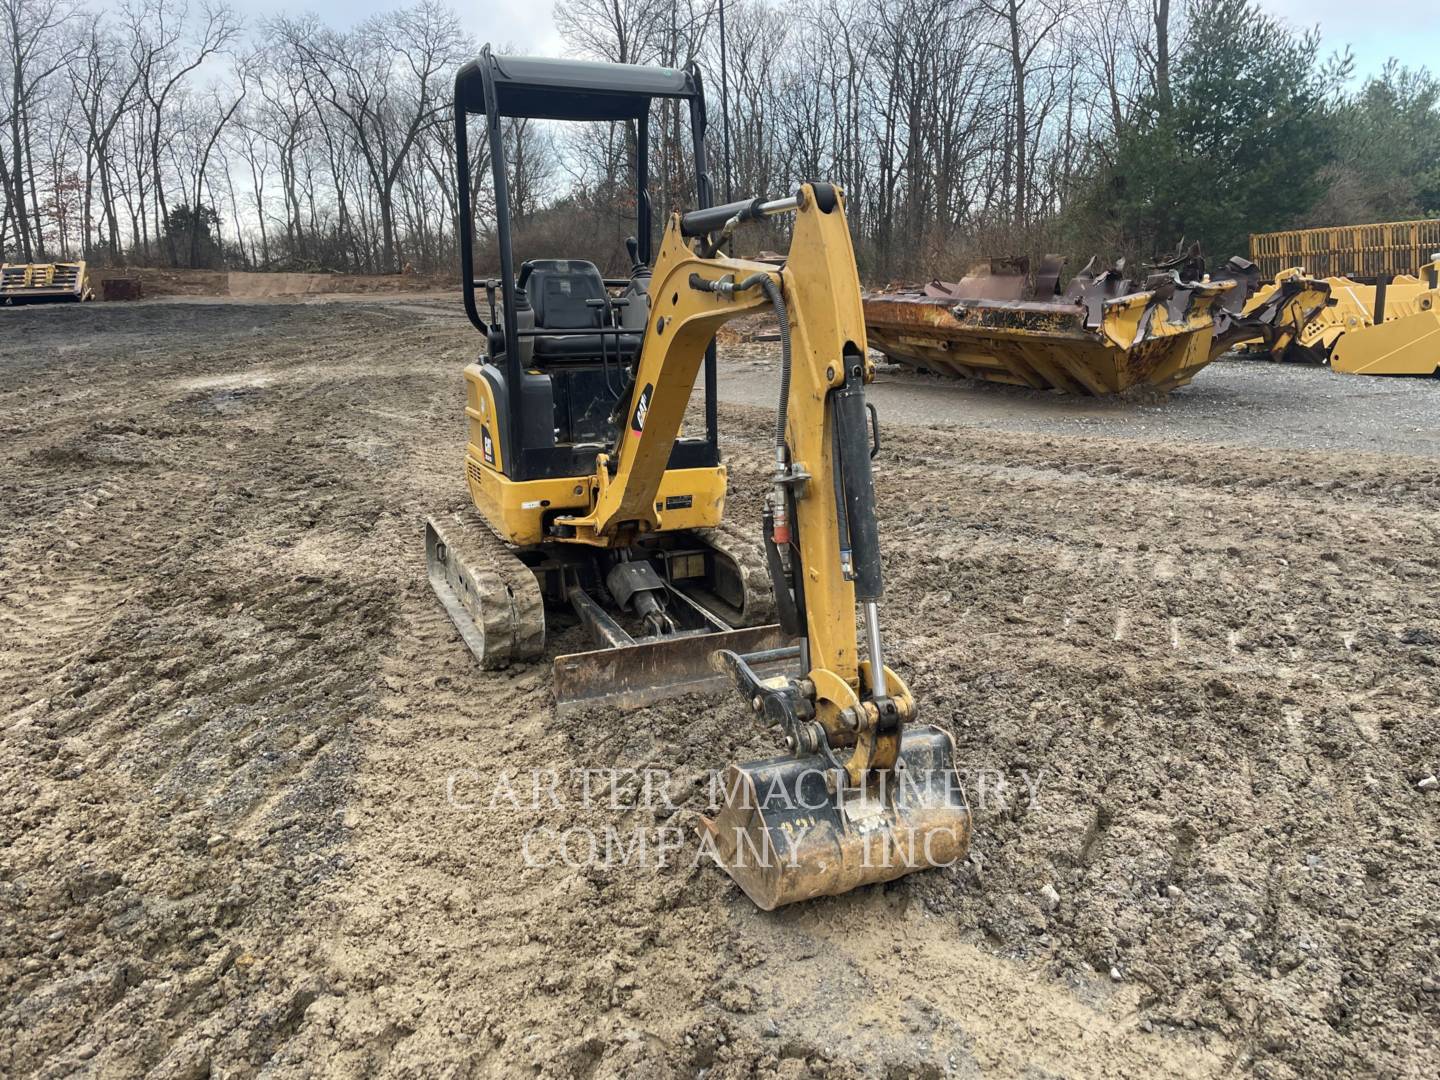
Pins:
<point x="38" y="45"/>
<point x="359" y="76"/>
<point x="167" y="46"/>
<point x="955" y="127"/>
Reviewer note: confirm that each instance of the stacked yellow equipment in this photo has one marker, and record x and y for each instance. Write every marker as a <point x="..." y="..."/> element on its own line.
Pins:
<point x="33" y="283"/>
<point x="1403" y="336"/>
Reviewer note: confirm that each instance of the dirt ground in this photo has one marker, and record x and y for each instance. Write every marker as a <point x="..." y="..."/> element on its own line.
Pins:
<point x="1236" y="401"/>
<point x="220" y="284"/>
<point x="259" y="810"/>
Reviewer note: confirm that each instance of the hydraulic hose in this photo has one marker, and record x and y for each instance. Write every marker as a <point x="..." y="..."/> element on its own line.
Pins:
<point x="777" y="301"/>
<point x="771" y="288"/>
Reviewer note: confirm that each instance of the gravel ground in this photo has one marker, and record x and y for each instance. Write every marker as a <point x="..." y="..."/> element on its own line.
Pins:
<point x="1237" y="402"/>
<point x="252" y="786"/>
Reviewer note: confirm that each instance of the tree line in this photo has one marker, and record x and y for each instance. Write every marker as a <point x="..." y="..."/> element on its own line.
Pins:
<point x="168" y="132"/>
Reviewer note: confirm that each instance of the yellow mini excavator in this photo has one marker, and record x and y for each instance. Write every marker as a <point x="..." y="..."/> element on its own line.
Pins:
<point x="596" y="508"/>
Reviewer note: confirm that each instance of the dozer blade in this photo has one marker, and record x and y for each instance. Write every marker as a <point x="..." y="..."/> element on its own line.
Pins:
<point x="787" y="832"/>
<point x="632" y="676"/>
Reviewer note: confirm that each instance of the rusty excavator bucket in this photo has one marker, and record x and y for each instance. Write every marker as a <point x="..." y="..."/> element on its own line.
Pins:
<point x="1105" y="334"/>
<point x="793" y="828"/>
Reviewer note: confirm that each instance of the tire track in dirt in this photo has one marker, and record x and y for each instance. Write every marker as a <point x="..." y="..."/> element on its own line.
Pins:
<point x="196" y="710"/>
<point x="229" y="838"/>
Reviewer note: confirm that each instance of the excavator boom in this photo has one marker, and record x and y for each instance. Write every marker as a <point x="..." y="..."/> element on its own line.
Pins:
<point x="865" y="794"/>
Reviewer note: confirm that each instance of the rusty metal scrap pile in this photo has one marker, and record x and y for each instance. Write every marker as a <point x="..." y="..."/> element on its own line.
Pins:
<point x="1104" y="333"/>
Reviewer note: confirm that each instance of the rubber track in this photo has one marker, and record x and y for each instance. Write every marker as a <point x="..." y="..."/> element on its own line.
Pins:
<point x="513" y="610"/>
<point x="737" y="545"/>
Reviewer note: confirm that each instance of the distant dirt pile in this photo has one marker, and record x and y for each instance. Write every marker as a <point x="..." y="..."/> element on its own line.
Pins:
<point x="251" y="285"/>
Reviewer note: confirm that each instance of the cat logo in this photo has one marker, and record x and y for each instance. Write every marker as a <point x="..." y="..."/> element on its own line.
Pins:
<point x="642" y="409"/>
<point x="487" y="447"/>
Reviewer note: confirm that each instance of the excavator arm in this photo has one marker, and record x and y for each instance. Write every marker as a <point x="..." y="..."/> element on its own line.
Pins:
<point x="890" y="802"/>
<point x="822" y="444"/>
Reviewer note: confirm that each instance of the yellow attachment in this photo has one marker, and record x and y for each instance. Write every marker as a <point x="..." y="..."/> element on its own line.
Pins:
<point x="1408" y="344"/>
<point x="1354" y="309"/>
<point x="29" y="283"/>
<point x="1316" y="331"/>
<point x="1049" y="346"/>
<point x="1309" y="305"/>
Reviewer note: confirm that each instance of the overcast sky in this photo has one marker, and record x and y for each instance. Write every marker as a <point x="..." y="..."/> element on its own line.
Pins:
<point x="1407" y="29"/>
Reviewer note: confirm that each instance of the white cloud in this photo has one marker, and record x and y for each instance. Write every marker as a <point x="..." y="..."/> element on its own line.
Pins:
<point x="1408" y="30"/>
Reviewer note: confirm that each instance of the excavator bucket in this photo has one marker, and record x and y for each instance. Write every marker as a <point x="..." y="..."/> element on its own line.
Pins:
<point x="1106" y="334"/>
<point x="790" y="829"/>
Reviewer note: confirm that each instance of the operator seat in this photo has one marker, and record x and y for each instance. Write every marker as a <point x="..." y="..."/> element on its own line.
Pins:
<point x="560" y="292"/>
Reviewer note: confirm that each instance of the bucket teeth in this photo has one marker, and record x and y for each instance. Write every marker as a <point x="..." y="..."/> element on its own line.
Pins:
<point x="788" y="831"/>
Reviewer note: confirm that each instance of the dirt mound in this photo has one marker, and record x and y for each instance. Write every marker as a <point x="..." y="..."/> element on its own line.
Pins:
<point x="259" y="810"/>
<point x="160" y="282"/>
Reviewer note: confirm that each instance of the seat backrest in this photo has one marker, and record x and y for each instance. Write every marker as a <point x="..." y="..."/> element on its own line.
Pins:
<point x="558" y="290"/>
<point x="636" y="314"/>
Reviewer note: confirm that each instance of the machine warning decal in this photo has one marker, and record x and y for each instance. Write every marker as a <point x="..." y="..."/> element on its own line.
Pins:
<point x="679" y="502"/>
<point x="487" y="446"/>
<point x="642" y="409"/>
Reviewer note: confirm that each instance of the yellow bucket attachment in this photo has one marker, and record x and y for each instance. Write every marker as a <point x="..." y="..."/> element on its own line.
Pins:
<point x="1404" y="346"/>
<point x="1105" y="335"/>
<point x="790" y="829"/>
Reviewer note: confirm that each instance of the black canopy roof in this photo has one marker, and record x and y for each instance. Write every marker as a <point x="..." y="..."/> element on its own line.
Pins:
<point x="569" y="89"/>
